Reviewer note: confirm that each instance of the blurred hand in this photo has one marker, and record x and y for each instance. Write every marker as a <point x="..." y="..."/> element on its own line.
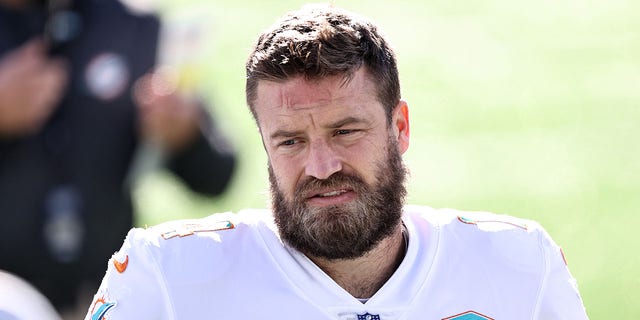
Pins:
<point x="31" y="85"/>
<point x="167" y="117"/>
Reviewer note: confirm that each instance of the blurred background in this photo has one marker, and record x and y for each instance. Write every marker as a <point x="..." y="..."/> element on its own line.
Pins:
<point x="528" y="108"/>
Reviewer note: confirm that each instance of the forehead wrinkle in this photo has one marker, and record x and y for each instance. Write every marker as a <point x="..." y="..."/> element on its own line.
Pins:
<point x="312" y="120"/>
<point x="303" y="101"/>
<point x="301" y="94"/>
<point x="297" y="105"/>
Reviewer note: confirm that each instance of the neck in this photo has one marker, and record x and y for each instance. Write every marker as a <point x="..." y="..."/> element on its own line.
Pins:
<point x="362" y="277"/>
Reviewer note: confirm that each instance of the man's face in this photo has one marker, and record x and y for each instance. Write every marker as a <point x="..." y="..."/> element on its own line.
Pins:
<point x="337" y="178"/>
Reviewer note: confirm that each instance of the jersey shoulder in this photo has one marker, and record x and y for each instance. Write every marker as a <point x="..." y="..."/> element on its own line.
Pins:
<point x="213" y="227"/>
<point x="153" y="261"/>
<point x="202" y="246"/>
<point x="485" y="221"/>
<point x="513" y="240"/>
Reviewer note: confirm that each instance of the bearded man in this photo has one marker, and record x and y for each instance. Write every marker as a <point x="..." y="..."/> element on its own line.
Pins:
<point x="338" y="242"/>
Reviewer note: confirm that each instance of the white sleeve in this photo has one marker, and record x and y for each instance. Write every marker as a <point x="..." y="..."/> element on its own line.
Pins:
<point x="133" y="287"/>
<point x="559" y="298"/>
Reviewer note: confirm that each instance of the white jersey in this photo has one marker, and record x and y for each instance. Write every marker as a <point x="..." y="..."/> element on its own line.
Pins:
<point x="458" y="265"/>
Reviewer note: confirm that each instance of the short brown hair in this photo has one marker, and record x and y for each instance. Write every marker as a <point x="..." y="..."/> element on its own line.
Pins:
<point x="320" y="41"/>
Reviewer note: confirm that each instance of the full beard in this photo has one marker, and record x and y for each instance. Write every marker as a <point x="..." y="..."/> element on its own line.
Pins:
<point x="343" y="231"/>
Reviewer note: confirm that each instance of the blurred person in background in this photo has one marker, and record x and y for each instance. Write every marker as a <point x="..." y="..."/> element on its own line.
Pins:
<point x="78" y="97"/>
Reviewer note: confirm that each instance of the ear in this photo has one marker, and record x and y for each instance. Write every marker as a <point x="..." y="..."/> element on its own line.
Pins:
<point x="400" y="125"/>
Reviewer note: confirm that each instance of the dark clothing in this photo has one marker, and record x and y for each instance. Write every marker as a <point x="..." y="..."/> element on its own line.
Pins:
<point x="71" y="175"/>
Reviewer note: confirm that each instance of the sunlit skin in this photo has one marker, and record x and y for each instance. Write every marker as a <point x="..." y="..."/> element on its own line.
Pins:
<point x="320" y="127"/>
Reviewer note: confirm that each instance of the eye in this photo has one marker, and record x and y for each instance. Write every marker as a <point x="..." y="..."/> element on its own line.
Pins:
<point x="342" y="132"/>
<point x="290" y="143"/>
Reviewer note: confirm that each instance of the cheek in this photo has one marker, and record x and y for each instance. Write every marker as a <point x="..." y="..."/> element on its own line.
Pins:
<point x="287" y="173"/>
<point x="365" y="157"/>
<point x="363" y="165"/>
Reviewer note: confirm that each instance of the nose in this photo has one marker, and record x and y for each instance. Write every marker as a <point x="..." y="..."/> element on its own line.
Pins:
<point x="322" y="161"/>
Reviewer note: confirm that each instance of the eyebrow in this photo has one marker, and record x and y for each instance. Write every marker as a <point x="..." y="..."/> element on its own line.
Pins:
<point x="285" y="134"/>
<point x="338" y="124"/>
<point x="346" y="121"/>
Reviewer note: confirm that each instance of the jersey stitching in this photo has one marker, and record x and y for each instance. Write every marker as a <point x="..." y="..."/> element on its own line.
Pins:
<point x="475" y="222"/>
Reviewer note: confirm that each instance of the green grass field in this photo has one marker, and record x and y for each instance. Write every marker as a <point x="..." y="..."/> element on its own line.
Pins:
<point x="529" y="108"/>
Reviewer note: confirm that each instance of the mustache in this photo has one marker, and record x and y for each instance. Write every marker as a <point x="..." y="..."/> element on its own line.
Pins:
<point x="307" y="187"/>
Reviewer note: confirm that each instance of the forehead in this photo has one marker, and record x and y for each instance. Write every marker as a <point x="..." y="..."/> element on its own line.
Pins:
<point x="331" y="96"/>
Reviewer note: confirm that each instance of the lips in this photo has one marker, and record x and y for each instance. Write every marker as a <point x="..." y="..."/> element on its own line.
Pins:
<point x="331" y="193"/>
<point x="325" y="193"/>
<point x="332" y="196"/>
